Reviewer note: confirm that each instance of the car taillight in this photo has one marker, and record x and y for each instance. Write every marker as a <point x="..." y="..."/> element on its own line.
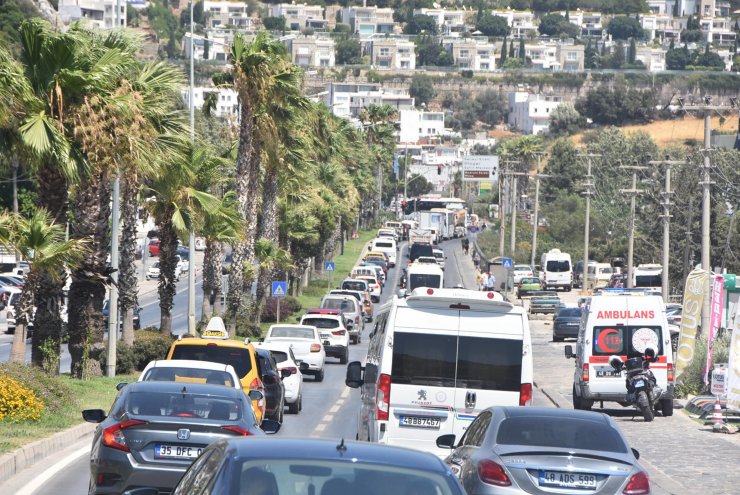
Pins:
<point x="338" y="333"/>
<point x="113" y="435"/>
<point x="492" y="473"/>
<point x="257" y="385"/>
<point x="525" y="394"/>
<point x="671" y="375"/>
<point x="239" y="431"/>
<point x="639" y="484"/>
<point x="383" y="397"/>
<point x="315" y="347"/>
<point x="357" y="320"/>
<point x="293" y="370"/>
<point x="585" y="372"/>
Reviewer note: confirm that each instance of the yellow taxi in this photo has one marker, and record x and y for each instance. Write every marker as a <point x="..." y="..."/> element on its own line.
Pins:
<point x="215" y="346"/>
<point x="376" y="255"/>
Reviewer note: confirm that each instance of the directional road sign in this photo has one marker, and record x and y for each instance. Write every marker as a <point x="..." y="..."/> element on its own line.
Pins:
<point x="507" y="263"/>
<point x="328" y="266"/>
<point x="279" y="289"/>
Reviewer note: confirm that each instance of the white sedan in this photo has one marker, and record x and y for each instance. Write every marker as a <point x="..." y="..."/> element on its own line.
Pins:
<point x="306" y="344"/>
<point x="153" y="271"/>
<point x="286" y="360"/>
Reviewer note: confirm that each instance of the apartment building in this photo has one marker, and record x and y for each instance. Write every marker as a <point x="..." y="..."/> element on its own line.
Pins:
<point x="348" y="99"/>
<point x="299" y="16"/>
<point x="521" y="22"/>
<point x="222" y="13"/>
<point x="219" y="45"/>
<point x="227" y="101"/>
<point x="100" y="14"/>
<point x="311" y="51"/>
<point x="392" y="53"/>
<point x="717" y="30"/>
<point x="589" y="22"/>
<point x="531" y="113"/>
<point x="652" y="57"/>
<point x="472" y="55"/>
<point x="544" y="55"/>
<point x="570" y="57"/>
<point x="662" y="26"/>
<point x="419" y="124"/>
<point x="367" y="21"/>
<point x="448" y="21"/>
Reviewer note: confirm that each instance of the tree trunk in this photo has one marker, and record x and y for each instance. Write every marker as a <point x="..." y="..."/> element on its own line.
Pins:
<point x="91" y="210"/>
<point x="212" y="277"/>
<point x="23" y="313"/>
<point x="167" y="282"/>
<point x="128" y="287"/>
<point x="47" y="322"/>
<point x="268" y="230"/>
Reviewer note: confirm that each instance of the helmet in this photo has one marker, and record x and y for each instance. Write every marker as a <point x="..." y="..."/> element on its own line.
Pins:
<point x="650" y="353"/>
<point x="616" y="362"/>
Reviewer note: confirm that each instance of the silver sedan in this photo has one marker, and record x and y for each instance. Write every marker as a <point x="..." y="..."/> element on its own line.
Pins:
<point x="513" y="450"/>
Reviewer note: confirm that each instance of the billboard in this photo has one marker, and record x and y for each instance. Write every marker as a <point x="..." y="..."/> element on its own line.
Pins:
<point x="480" y="167"/>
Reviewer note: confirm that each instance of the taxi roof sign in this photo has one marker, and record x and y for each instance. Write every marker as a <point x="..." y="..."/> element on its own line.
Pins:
<point x="215" y="329"/>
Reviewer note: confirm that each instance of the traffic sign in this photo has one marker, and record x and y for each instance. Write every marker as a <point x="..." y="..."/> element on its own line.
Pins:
<point x="279" y="289"/>
<point x="507" y="263"/>
<point x="328" y="266"/>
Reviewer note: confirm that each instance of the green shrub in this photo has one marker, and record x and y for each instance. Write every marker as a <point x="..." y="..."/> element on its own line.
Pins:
<point x="288" y="306"/>
<point x="48" y="388"/>
<point x="691" y="381"/>
<point x="148" y="346"/>
<point x="125" y="358"/>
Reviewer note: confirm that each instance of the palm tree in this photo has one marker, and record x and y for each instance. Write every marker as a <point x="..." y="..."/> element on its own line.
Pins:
<point x="219" y="229"/>
<point x="41" y="242"/>
<point x="378" y="122"/>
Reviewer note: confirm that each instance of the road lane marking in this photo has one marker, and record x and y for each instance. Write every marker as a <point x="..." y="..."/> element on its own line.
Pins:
<point x="345" y="393"/>
<point x="334" y="409"/>
<point x="320" y="427"/>
<point x="48" y="474"/>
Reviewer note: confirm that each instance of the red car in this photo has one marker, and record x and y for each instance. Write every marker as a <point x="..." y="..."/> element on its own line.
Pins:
<point x="154" y="247"/>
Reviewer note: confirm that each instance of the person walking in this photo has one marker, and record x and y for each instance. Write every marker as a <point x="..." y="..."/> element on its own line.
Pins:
<point x="465" y="245"/>
<point x="491" y="282"/>
<point x="483" y="281"/>
<point x="478" y="278"/>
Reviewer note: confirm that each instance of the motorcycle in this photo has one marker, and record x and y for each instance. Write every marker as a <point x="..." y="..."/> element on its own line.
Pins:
<point x="642" y="390"/>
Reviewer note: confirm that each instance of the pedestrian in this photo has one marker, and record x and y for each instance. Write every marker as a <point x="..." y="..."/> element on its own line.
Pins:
<point x="476" y="258"/>
<point x="483" y="227"/>
<point x="484" y="281"/>
<point x="465" y="245"/>
<point x="478" y="278"/>
<point x="491" y="282"/>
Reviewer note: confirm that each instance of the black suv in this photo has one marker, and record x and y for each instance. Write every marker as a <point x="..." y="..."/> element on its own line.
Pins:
<point x="273" y="382"/>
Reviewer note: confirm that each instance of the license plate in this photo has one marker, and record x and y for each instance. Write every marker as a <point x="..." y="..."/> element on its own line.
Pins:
<point x="608" y="373"/>
<point x="176" y="452"/>
<point x="420" y="422"/>
<point x="324" y="336"/>
<point x="568" y="480"/>
<point x="639" y="383"/>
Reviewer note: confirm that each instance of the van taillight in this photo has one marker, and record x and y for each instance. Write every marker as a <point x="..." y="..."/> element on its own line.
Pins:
<point x="585" y="372"/>
<point x="525" y="394"/>
<point x="671" y="375"/>
<point x="383" y="397"/>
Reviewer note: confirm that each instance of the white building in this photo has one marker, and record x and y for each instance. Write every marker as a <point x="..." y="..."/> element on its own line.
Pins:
<point x="473" y="55"/>
<point x="311" y="51"/>
<point x="544" y="55"/>
<point x="662" y="26"/>
<point x="717" y="30"/>
<point x="369" y="20"/>
<point x="589" y="22"/>
<point x="222" y="13"/>
<point x="418" y="124"/>
<point x="227" y="102"/>
<point x="299" y="16"/>
<point x="653" y="58"/>
<point x="448" y="21"/>
<point x="349" y="99"/>
<point x="521" y="22"/>
<point x="531" y="113"/>
<point x="392" y="53"/>
<point x="219" y="45"/>
<point x="97" y="13"/>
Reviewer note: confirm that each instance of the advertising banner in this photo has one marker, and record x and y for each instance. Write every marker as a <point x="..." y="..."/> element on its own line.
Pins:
<point x="718" y="298"/>
<point x="696" y="285"/>
<point x="480" y="167"/>
<point x="733" y="367"/>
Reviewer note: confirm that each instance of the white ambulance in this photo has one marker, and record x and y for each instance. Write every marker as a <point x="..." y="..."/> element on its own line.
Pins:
<point x="621" y="322"/>
<point x="436" y="359"/>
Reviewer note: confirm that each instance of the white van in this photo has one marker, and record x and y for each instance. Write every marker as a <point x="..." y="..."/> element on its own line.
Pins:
<point x="387" y="246"/>
<point x="436" y="359"/>
<point x="557" y="270"/>
<point x="599" y="274"/>
<point x="621" y="322"/>
<point x="423" y="275"/>
<point x="648" y="276"/>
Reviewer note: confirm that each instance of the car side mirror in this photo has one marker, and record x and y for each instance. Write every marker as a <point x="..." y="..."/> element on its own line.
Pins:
<point x="636" y="453"/>
<point x="256" y="395"/>
<point x="446" y="441"/>
<point x="569" y="352"/>
<point x="285" y="374"/>
<point x="270" y="426"/>
<point x="353" y="379"/>
<point x="303" y="366"/>
<point x="120" y="385"/>
<point x="93" y="415"/>
<point x="142" y="491"/>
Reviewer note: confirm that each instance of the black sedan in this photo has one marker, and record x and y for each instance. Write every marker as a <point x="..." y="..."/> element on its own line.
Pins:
<point x="258" y="466"/>
<point x="566" y="323"/>
<point x="106" y="316"/>
<point x="157" y="429"/>
<point x="272" y="379"/>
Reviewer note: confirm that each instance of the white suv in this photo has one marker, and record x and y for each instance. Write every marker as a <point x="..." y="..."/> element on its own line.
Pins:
<point x="332" y="330"/>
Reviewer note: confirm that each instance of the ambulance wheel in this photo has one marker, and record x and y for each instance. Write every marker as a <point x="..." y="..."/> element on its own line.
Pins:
<point x="580" y="402"/>
<point x="666" y="407"/>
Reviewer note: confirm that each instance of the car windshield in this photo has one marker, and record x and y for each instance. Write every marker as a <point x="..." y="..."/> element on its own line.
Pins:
<point x="362" y="286"/>
<point x="570" y="313"/>
<point x="188" y="375"/>
<point x="648" y="280"/>
<point x="321" y="322"/>
<point x="279" y="356"/>
<point x="184" y="405"/>
<point x="558" y="266"/>
<point x="530" y="281"/>
<point x="423" y="280"/>
<point x="562" y="432"/>
<point x="292" y="333"/>
<point x="237" y="357"/>
<point x="344" y="305"/>
<point x="522" y="268"/>
<point x="388" y="245"/>
<point x="301" y="476"/>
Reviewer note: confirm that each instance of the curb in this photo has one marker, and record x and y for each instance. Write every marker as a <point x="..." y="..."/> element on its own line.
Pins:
<point x="28" y="455"/>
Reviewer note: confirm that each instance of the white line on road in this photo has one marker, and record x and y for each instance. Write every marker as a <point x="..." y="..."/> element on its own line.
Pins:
<point x="334" y="409"/>
<point x="48" y="474"/>
<point x="320" y="427"/>
<point x="345" y="393"/>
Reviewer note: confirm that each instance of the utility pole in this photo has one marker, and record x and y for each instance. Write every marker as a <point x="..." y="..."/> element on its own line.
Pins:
<point x="514" y="207"/>
<point x="537" y="178"/>
<point x="501" y="216"/>
<point x="110" y="364"/>
<point x="666" y="216"/>
<point x="587" y="227"/>
<point x="191" y="239"/>
<point x="633" y="192"/>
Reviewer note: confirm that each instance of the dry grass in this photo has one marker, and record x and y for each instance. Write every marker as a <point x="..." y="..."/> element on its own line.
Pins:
<point x="675" y="132"/>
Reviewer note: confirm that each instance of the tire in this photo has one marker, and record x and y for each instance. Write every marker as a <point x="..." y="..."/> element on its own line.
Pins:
<point x="557" y="339"/>
<point x="345" y="357"/>
<point x="295" y="406"/>
<point x="319" y="377"/>
<point x="580" y="403"/>
<point x="644" y="404"/>
<point x="666" y="407"/>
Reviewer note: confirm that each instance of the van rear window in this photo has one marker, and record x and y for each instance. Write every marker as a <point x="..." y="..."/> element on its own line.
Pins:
<point x="236" y="357"/>
<point x="384" y="245"/>
<point x="489" y="364"/>
<point x="627" y="341"/>
<point x="354" y="286"/>
<point x="423" y="280"/>
<point x="424" y="359"/>
<point x="558" y="266"/>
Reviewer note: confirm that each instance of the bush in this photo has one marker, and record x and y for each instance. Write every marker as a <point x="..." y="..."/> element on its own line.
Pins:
<point x="288" y="306"/>
<point x="51" y="391"/>
<point x="17" y="402"/>
<point x="148" y="346"/>
<point x="691" y="381"/>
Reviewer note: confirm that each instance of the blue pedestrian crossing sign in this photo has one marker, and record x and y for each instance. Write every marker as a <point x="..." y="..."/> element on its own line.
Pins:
<point x="507" y="263"/>
<point x="279" y="289"/>
<point x="328" y="266"/>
